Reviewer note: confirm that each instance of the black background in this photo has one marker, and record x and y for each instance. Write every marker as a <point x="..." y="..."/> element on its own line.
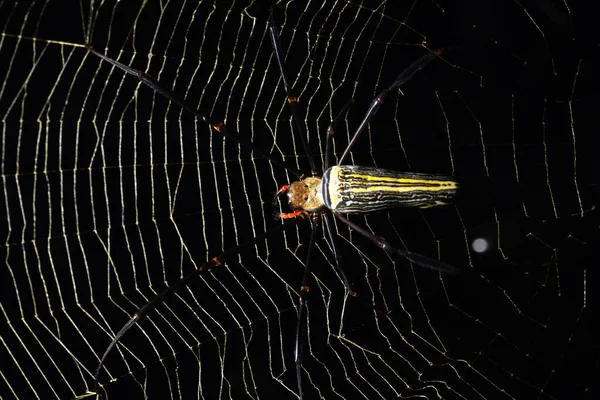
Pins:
<point x="103" y="207"/>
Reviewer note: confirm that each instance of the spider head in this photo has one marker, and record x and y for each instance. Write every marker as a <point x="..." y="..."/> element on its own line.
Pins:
<point x="306" y="195"/>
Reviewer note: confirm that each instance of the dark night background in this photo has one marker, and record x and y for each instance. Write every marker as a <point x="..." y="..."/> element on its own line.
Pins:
<point x="111" y="193"/>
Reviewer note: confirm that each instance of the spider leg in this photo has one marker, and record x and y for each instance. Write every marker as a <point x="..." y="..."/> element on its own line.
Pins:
<point x="331" y="132"/>
<point x="292" y="99"/>
<point x="419" y="259"/>
<point x="160" y="298"/>
<point x="336" y="256"/>
<point x="404" y="77"/>
<point x="304" y="289"/>
<point x="217" y="125"/>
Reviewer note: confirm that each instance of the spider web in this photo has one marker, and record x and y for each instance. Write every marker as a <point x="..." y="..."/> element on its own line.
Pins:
<point x="112" y="193"/>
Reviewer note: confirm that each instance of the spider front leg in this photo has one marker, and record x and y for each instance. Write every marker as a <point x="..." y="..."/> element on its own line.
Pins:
<point x="292" y="99"/>
<point x="331" y="132"/>
<point x="217" y="125"/>
<point x="401" y="79"/>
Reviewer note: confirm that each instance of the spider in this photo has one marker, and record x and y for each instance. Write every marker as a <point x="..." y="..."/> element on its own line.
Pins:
<point x="339" y="189"/>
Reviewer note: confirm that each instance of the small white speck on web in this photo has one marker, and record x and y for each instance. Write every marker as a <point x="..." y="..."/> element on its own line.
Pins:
<point x="480" y="245"/>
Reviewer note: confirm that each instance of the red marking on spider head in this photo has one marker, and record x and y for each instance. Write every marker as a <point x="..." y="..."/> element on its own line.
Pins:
<point x="284" y="189"/>
<point x="293" y="214"/>
<point x="216" y="261"/>
<point x="218" y="126"/>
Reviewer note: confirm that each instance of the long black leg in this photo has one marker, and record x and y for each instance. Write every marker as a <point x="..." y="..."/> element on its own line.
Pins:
<point x="160" y="298"/>
<point x="292" y="99"/>
<point x="404" y="77"/>
<point x="304" y="288"/>
<point x="419" y="259"/>
<point x="338" y="260"/>
<point x="336" y="255"/>
<point x="217" y="125"/>
<point x="331" y="132"/>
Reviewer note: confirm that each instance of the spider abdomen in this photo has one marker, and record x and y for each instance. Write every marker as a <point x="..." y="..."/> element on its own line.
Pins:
<point x="357" y="189"/>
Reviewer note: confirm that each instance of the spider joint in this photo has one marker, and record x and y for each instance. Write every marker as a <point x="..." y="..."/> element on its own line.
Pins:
<point x="219" y="126"/>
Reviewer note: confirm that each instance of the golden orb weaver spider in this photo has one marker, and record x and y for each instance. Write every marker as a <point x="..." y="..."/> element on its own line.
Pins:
<point x="340" y="190"/>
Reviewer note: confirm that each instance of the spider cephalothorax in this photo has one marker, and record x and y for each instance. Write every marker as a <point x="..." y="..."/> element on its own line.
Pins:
<point x="306" y="195"/>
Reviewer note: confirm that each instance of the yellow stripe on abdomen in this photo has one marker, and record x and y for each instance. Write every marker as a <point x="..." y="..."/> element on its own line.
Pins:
<point x="356" y="189"/>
